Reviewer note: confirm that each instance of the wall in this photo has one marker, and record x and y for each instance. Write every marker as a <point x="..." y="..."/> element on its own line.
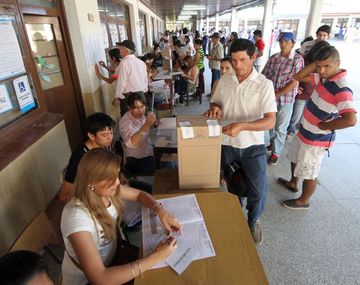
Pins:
<point x="30" y="182"/>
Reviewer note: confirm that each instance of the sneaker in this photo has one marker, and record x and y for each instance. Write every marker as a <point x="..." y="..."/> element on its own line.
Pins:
<point x="274" y="159"/>
<point x="256" y="233"/>
<point x="291" y="204"/>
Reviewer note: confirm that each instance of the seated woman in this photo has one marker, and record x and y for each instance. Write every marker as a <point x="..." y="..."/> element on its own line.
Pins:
<point x="89" y="220"/>
<point x="134" y="131"/>
<point x="114" y="55"/>
<point x="188" y="80"/>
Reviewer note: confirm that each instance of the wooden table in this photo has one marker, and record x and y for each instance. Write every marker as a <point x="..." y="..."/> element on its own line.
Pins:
<point x="236" y="260"/>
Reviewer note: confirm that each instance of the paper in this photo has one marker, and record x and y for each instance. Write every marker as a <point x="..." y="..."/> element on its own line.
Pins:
<point x="187" y="130"/>
<point x="114" y="34"/>
<point x="23" y="93"/>
<point x="157" y="86"/>
<point x="167" y="124"/>
<point x="5" y="102"/>
<point x="193" y="243"/>
<point x="132" y="213"/>
<point x="10" y="54"/>
<point x="214" y="128"/>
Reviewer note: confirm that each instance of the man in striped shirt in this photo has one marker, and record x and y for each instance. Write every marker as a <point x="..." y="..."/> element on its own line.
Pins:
<point x="329" y="108"/>
<point x="281" y="69"/>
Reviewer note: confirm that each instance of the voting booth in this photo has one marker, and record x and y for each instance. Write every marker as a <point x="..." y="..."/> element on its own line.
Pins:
<point x="199" y="152"/>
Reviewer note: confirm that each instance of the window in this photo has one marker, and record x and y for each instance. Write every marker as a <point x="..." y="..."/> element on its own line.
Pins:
<point x="40" y="3"/>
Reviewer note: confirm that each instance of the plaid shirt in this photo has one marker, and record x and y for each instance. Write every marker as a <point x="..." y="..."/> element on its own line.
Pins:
<point x="281" y="71"/>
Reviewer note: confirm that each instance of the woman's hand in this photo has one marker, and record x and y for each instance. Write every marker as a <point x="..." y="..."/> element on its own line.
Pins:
<point x="169" y="221"/>
<point x="101" y="63"/>
<point x="166" y="247"/>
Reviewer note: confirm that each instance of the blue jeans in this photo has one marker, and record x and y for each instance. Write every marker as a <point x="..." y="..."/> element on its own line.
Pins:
<point x="278" y="134"/>
<point x="215" y="75"/>
<point x="297" y="113"/>
<point x="253" y="162"/>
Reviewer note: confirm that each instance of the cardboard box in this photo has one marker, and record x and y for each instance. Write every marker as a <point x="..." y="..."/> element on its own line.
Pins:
<point x="199" y="157"/>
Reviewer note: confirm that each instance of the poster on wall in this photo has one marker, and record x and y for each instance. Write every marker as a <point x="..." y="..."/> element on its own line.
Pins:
<point x="5" y="102"/>
<point x="24" y="94"/>
<point x="114" y="34"/>
<point x="104" y="35"/>
<point x="10" y="54"/>
<point x="123" y="34"/>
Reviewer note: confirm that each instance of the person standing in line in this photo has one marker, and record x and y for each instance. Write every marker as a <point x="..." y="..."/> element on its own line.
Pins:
<point x="331" y="107"/>
<point x="247" y="99"/>
<point x="322" y="34"/>
<point x="214" y="57"/>
<point x="281" y="69"/>
<point x="260" y="46"/>
<point x="199" y="61"/>
<point x="132" y="75"/>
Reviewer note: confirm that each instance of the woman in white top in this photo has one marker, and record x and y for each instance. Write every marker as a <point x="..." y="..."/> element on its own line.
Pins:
<point x="89" y="221"/>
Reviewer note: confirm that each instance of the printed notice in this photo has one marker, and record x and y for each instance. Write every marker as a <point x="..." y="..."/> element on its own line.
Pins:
<point x="194" y="241"/>
<point x="24" y="94"/>
<point x="10" y="55"/>
<point x="187" y="130"/>
<point x="214" y="128"/>
<point x="5" y="103"/>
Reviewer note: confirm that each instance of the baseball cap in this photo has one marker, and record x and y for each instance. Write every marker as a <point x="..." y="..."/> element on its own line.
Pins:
<point x="215" y="35"/>
<point x="128" y="44"/>
<point x="286" y="36"/>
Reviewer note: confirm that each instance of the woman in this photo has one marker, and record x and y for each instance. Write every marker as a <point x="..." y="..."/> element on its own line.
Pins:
<point x="114" y="55"/>
<point x="304" y="93"/>
<point x="134" y="131"/>
<point x="199" y="61"/>
<point x="225" y="68"/>
<point x="89" y="221"/>
<point x="233" y="37"/>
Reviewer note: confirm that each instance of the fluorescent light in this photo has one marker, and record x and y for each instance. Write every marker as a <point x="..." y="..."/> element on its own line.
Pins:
<point x="188" y="12"/>
<point x="194" y="7"/>
<point x="184" y="17"/>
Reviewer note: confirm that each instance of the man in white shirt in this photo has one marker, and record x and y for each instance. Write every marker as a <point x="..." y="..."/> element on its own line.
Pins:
<point x="132" y="75"/>
<point x="246" y="100"/>
<point x="322" y="34"/>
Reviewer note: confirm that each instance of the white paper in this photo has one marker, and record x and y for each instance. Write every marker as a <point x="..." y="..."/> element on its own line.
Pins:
<point x="167" y="124"/>
<point x="5" y="102"/>
<point x="114" y="34"/>
<point x="187" y="130"/>
<point x="157" y="86"/>
<point x="194" y="232"/>
<point x="104" y="35"/>
<point x="10" y="54"/>
<point x="214" y="128"/>
<point x="23" y="93"/>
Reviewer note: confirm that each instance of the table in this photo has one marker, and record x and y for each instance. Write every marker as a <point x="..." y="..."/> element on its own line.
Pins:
<point x="168" y="76"/>
<point x="236" y="260"/>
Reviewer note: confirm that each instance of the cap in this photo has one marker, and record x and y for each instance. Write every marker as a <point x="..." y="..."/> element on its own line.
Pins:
<point x="128" y="44"/>
<point x="286" y="36"/>
<point x="215" y="35"/>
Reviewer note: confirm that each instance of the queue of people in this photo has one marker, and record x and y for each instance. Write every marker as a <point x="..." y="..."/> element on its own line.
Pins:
<point x="309" y="113"/>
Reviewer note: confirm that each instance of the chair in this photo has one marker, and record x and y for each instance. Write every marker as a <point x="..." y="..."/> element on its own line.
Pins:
<point x="193" y="90"/>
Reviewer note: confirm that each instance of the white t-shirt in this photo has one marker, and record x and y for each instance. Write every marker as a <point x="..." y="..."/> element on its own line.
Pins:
<point x="245" y="102"/>
<point x="306" y="46"/>
<point x="76" y="218"/>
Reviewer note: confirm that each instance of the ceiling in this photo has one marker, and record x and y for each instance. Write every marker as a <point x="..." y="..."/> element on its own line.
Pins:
<point x="170" y="9"/>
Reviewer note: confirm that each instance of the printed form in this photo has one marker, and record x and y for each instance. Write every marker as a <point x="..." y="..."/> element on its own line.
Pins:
<point x="192" y="244"/>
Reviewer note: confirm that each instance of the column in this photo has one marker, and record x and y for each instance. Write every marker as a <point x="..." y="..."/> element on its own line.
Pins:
<point x="234" y="23"/>
<point x="135" y="28"/>
<point x="314" y="17"/>
<point x="266" y="29"/>
<point x="217" y="22"/>
<point x="201" y="26"/>
<point x="149" y="32"/>
<point x="207" y="24"/>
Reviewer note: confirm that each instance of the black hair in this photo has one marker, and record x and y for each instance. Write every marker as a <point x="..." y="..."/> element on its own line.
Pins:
<point x="135" y="96"/>
<point x="327" y="52"/>
<point x="243" y="45"/>
<point x="257" y="33"/>
<point x="99" y="122"/>
<point x="324" y="28"/>
<point x="114" y="53"/>
<point x="198" y="42"/>
<point x="176" y="43"/>
<point x="307" y="39"/>
<point x="19" y="267"/>
<point x="235" y="35"/>
<point x="185" y="30"/>
<point x="310" y="55"/>
<point x="226" y="58"/>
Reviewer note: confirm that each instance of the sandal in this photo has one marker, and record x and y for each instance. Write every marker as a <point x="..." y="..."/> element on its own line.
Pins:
<point x="285" y="184"/>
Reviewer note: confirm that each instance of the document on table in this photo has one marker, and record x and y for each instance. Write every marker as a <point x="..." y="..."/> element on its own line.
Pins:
<point x="193" y="243"/>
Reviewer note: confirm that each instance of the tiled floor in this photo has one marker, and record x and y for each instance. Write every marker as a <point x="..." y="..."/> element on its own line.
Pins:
<point x="320" y="245"/>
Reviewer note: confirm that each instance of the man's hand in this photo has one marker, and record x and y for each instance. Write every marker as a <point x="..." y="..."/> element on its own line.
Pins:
<point x="97" y="70"/>
<point x="115" y="102"/>
<point x="213" y="112"/>
<point x="234" y="129"/>
<point x="323" y="125"/>
<point x="102" y="63"/>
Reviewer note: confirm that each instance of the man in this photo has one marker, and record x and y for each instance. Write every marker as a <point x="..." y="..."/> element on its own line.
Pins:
<point x="214" y="57"/>
<point x="322" y="34"/>
<point x="132" y="75"/>
<point x="281" y="69"/>
<point x="259" y="45"/>
<point x="330" y="107"/>
<point x="247" y="99"/>
<point x="100" y="130"/>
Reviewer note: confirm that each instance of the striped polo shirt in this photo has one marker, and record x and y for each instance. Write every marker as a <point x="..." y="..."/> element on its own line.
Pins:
<point x="200" y="63"/>
<point x="329" y="99"/>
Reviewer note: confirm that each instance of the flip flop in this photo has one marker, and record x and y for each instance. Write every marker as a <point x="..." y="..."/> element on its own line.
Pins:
<point x="285" y="184"/>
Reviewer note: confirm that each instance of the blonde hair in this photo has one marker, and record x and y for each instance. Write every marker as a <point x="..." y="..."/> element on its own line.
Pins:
<point x="98" y="165"/>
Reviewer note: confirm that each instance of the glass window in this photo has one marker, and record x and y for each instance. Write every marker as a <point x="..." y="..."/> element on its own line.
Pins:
<point x="17" y="94"/>
<point x="44" y="50"/>
<point x="142" y="31"/>
<point x="40" y="3"/>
